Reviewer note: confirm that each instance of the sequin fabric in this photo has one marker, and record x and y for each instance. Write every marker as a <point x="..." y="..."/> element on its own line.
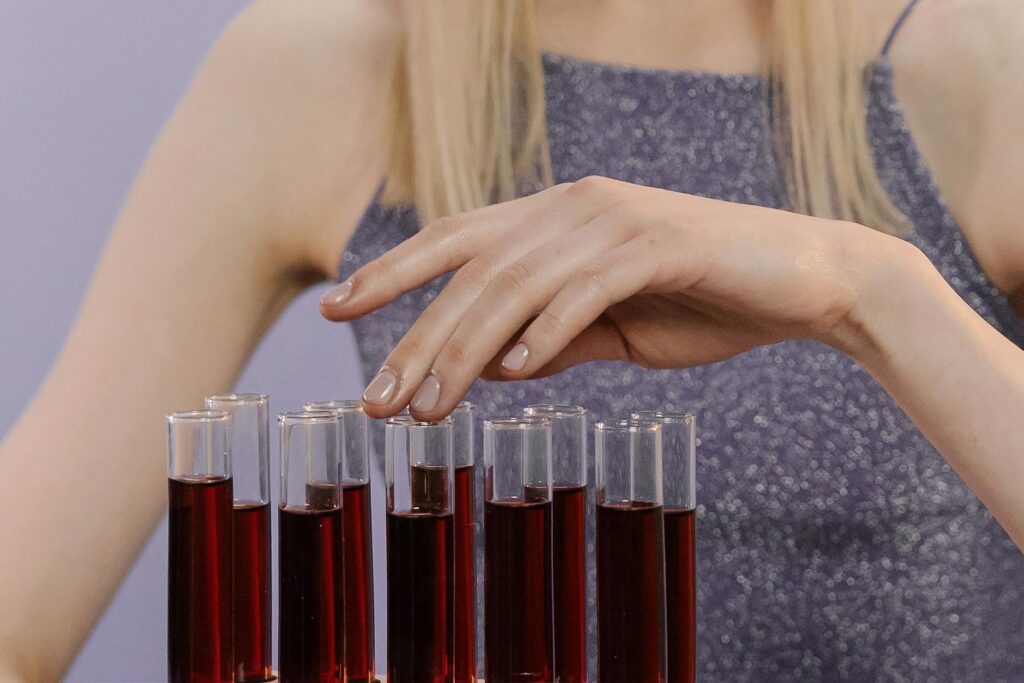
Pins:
<point x="834" y="543"/>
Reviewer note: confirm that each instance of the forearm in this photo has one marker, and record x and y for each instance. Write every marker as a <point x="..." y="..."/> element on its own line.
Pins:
<point x="959" y="379"/>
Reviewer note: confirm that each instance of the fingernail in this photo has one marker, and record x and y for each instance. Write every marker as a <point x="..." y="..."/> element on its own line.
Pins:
<point x="426" y="396"/>
<point x="515" y="360"/>
<point x="338" y="294"/>
<point x="380" y="389"/>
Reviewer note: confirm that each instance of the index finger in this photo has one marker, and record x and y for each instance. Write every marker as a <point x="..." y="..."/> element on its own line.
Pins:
<point x="442" y="246"/>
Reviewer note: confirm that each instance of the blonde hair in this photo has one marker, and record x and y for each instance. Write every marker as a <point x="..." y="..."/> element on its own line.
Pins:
<point x="470" y="110"/>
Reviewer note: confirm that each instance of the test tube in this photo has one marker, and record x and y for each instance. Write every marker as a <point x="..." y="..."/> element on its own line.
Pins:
<point x="355" y="465"/>
<point x="630" y="552"/>
<point x="569" y="541"/>
<point x="248" y="440"/>
<point x="311" y="614"/>
<point x="419" y="475"/>
<point x="465" y="546"/>
<point x="679" y="447"/>
<point x="199" y="595"/>
<point x="518" y="637"/>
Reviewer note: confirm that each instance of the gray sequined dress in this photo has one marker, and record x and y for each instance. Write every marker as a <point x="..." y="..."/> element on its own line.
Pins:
<point x="834" y="543"/>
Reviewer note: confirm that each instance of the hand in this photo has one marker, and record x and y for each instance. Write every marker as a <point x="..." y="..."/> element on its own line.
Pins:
<point x="602" y="270"/>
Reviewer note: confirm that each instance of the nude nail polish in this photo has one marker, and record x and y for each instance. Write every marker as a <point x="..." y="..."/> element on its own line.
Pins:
<point x="515" y="360"/>
<point x="427" y="395"/>
<point x="381" y="388"/>
<point x="338" y="294"/>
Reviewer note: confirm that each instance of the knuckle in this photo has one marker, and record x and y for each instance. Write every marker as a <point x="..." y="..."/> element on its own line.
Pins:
<point x="550" y="324"/>
<point x="476" y="274"/>
<point x="647" y="244"/>
<point x="456" y="353"/>
<point x="445" y="225"/>
<point x="591" y="185"/>
<point x="626" y="211"/>
<point x="459" y="245"/>
<point x="591" y="281"/>
<point x="411" y="347"/>
<point x="515" y="276"/>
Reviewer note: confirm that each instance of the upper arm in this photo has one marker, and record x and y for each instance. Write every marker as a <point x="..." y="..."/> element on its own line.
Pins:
<point x="960" y="78"/>
<point x="271" y="156"/>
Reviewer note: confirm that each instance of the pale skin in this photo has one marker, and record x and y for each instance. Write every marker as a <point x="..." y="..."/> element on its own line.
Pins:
<point x="278" y="196"/>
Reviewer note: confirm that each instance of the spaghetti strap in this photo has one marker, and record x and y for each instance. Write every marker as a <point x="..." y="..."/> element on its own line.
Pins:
<point x="897" y="26"/>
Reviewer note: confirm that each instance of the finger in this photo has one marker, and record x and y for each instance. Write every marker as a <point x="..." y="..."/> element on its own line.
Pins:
<point x="441" y="246"/>
<point x="410" y="363"/>
<point x="601" y="340"/>
<point x="623" y="272"/>
<point x="512" y="297"/>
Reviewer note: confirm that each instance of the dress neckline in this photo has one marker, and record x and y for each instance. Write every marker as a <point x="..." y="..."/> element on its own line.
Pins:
<point x="555" y="59"/>
<point x="567" y="61"/>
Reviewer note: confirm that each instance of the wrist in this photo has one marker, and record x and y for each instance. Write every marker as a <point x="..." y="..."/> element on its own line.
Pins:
<point x="893" y="284"/>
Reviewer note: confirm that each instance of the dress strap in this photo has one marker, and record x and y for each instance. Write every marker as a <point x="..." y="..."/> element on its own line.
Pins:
<point x="904" y="15"/>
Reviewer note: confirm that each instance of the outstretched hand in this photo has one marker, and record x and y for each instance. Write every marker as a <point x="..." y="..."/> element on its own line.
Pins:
<point x="603" y="270"/>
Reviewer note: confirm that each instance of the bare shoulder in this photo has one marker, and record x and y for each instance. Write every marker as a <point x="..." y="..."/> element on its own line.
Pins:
<point x="959" y="74"/>
<point x="961" y="40"/>
<point x="318" y="32"/>
<point x="304" y="84"/>
<point x="308" y="50"/>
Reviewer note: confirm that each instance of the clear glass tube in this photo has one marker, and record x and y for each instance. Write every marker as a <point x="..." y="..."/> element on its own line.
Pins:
<point x="311" y="615"/>
<point x="679" y="438"/>
<point x="463" y="435"/>
<point x="199" y="589"/>
<point x="419" y="474"/>
<point x="679" y="448"/>
<point x="354" y="434"/>
<point x="569" y="520"/>
<point x="197" y="445"/>
<point x="630" y="551"/>
<point x="248" y="440"/>
<point x="355" y="464"/>
<point x="568" y="441"/>
<point x="463" y="428"/>
<point x="518" y="628"/>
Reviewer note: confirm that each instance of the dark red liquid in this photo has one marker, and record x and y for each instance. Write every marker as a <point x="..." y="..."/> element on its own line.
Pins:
<point x="199" y="595"/>
<point x="518" y="638"/>
<point x="570" y="581"/>
<point x="631" y="593"/>
<point x="252" y="591"/>
<point x="465" y="577"/>
<point x="312" y="604"/>
<point x="421" y="582"/>
<point x="681" y="595"/>
<point x="358" y="584"/>
<point x="420" y="598"/>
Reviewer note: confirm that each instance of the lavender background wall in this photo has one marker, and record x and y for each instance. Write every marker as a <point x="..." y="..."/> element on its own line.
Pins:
<point x="84" y="89"/>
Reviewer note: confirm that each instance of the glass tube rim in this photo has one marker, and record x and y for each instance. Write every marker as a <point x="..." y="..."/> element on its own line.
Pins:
<point x="462" y="407"/>
<point x="627" y="425"/>
<point x="240" y="399"/>
<point x="196" y="416"/>
<point x="339" y="406"/>
<point x="664" y="416"/>
<point x="515" y="422"/>
<point x="554" y="410"/>
<point x="410" y="422"/>
<point x="307" y="417"/>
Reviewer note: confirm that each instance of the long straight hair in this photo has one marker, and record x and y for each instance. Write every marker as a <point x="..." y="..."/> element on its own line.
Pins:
<point x="469" y="118"/>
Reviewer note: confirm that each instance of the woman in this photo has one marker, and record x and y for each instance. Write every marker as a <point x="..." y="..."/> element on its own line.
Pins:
<point x="836" y="543"/>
